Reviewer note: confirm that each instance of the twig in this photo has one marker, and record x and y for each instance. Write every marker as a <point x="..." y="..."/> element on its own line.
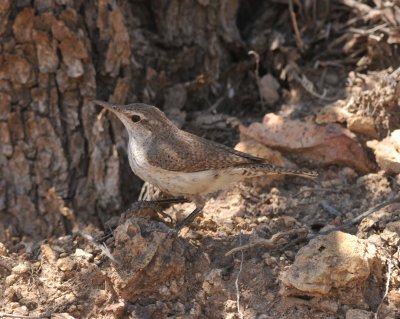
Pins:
<point x="363" y="8"/>
<point x="358" y="218"/>
<point x="270" y="243"/>
<point x="389" y="272"/>
<point x="106" y="251"/>
<point x="368" y="31"/>
<point x="309" y="86"/>
<point x="331" y="210"/>
<point x="8" y="315"/>
<point x="257" y="75"/>
<point x="299" y="41"/>
<point x="240" y="313"/>
<point x="214" y="107"/>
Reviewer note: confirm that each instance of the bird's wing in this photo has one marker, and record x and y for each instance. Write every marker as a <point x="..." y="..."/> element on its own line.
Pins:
<point x="191" y="153"/>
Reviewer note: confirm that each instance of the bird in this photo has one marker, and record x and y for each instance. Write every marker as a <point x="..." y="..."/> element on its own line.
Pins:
<point x="182" y="164"/>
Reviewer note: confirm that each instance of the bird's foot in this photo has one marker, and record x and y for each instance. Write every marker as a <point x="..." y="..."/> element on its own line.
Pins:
<point x="155" y="205"/>
<point x="189" y="218"/>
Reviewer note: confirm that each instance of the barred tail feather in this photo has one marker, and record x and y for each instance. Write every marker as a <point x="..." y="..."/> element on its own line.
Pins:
<point x="290" y="171"/>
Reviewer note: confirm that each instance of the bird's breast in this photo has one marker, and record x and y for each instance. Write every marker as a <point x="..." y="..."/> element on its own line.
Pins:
<point x="137" y="159"/>
<point x="180" y="183"/>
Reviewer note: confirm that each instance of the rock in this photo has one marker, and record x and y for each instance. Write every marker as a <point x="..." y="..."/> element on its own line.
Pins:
<point x="362" y="124"/>
<point x="148" y="258"/>
<point x="385" y="215"/>
<point x="20" y="269"/>
<point x="230" y="305"/>
<point x="269" y="87"/>
<point x="22" y="311"/>
<point x="387" y="152"/>
<point x="333" y="113"/>
<point x="326" y="305"/>
<point x="328" y="264"/>
<point x="11" y="279"/>
<point x="394" y="297"/>
<point x="394" y="227"/>
<point x="213" y="281"/>
<point x="359" y="314"/>
<point x="48" y="253"/>
<point x="83" y="254"/>
<point x="65" y="264"/>
<point x="391" y="237"/>
<point x="395" y="138"/>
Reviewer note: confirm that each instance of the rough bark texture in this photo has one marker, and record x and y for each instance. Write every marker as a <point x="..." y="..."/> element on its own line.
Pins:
<point x="60" y="162"/>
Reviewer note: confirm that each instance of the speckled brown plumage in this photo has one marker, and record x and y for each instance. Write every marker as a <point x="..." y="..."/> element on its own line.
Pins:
<point x="191" y="153"/>
<point x="184" y="164"/>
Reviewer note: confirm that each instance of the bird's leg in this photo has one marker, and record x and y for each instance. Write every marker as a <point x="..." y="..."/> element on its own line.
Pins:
<point x="178" y="200"/>
<point x="155" y="205"/>
<point x="189" y="218"/>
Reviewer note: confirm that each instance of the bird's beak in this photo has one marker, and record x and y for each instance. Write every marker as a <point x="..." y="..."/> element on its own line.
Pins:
<point x="109" y="106"/>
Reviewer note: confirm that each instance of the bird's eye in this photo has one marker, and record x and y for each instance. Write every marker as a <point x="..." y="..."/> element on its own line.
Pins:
<point x="135" y="118"/>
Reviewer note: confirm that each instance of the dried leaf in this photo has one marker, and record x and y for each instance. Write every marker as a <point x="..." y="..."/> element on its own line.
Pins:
<point x="321" y="144"/>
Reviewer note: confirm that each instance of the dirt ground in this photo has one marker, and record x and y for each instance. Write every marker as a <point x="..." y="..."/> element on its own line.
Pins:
<point x="140" y="270"/>
<point x="267" y="248"/>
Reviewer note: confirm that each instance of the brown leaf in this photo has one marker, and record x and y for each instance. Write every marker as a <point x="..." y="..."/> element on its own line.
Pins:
<point x="321" y="144"/>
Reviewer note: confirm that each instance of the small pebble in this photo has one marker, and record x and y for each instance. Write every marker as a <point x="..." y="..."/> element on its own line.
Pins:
<point x="3" y="250"/>
<point x="20" y="269"/>
<point x="65" y="264"/>
<point x="23" y="311"/>
<point x="11" y="279"/>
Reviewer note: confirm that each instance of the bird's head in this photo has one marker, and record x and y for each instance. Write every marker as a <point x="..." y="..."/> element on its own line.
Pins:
<point x="142" y="121"/>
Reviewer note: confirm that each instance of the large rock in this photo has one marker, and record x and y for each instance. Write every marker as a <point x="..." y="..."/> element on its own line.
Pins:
<point x="150" y="260"/>
<point x="338" y="264"/>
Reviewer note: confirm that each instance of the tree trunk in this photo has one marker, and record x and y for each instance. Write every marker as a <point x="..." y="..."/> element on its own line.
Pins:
<point x="62" y="164"/>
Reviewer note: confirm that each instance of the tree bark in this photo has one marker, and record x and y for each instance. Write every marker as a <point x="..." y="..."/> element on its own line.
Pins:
<point x="63" y="165"/>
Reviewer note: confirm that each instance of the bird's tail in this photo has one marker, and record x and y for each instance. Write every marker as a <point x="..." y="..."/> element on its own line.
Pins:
<point x="272" y="169"/>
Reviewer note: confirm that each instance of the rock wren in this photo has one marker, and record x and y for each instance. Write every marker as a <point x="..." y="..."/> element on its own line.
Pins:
<point x="183" y="164"/>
